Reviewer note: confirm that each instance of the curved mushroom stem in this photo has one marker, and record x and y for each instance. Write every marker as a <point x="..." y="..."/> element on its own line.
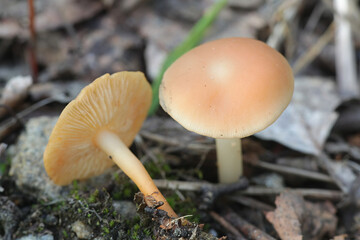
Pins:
<point x="112" y="145"/>
<point x="229" y="159"/>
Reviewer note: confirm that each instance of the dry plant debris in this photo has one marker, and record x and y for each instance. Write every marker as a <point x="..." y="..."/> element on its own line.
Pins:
<point x="77" y="40"/>
<point x="296" y="219"/>
<point x="169" y="228"/>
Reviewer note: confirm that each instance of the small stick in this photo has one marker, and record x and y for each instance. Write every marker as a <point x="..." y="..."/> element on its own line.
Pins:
<point x="314" y="50"/>
<point x="11" y="123"/>
<point x="211" y="193"/>
<point x="314" y="17"/>
<point x="250" y="202"/>
<point x="313" y="193"/>
<point x="291" y="170"/>
<point x="325" y="161"/>
<point x="246" y="228"/>
<point x="227" y="225"/>
<point x="289" y="10"/>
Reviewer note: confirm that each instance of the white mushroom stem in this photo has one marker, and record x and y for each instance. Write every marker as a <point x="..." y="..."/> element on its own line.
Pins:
<point x="113" y="146"/>
<point x="229" y="159"/>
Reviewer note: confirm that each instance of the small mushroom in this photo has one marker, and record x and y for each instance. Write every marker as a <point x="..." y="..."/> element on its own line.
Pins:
<point x="95" y="130"/>
<point x="227" y="89"/>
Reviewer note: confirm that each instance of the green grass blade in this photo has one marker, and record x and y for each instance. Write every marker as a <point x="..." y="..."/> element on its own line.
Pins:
<point x="194" y="37"/>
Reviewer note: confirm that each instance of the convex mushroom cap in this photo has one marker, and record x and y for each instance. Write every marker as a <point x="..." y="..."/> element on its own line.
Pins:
<point x="227" y="88"/>
<point x="117" y="103"/>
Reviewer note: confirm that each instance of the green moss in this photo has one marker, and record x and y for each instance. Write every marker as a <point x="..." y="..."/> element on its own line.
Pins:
<point x="128" y="192"/>
<point x="134" y="225"/>
<point x="184" y="207"/>
<point x="155" y="169"/>
<point x="112" y="223"/>
<point x="139" y="232"/>
<point x="40" y="228"/>
<point x="56" y="207"/>
<point x="106" y="230"/>
<point x="147" y="232"/>
<point x="64" y="233"/>
<point x="199" y="174"/>
<point x="94" y="209"/>
<point x="124" y="188"/>
<point x="93" y="196"/>
<point x="116" y="195"/>
<point x="75" y="185"/>
<point x="106" y="211"/>
<point x="4" y="166"/>
<point x="137" y="227"/>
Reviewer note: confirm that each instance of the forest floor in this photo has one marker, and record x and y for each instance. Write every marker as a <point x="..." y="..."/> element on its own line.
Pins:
<point x="301" y="175"/>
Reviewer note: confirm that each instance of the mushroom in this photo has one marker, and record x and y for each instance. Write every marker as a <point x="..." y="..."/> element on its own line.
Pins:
<point x="95" y="130"/>
<point x="227" y="89"/>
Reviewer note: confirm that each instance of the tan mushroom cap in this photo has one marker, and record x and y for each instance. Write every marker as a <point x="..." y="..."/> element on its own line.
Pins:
<point x="117" y="102"/>
<point x="227" y="88"/>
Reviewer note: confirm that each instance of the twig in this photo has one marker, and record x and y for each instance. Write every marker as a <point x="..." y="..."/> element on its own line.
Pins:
<point x="345" y="52"/>
<point x="280" y="28"/>
<point x="291" y="170"/>
<point x="198" y="186"/>
<point x="314" y="50"/>
<point x="211" y="193"/>
<point x="326" y="163"/>
<point x="343" y="147"/>
<point x="246" y="228"/>
<point x="6" y="126"/>
<point x="320" y="194"/>
<point x="313" y="193"/>
<point x="250" y="202"/>
<point x="314" y="17"/>
<point x="9" y="110"/>
<point x="227" y="225"/>
<point x="181" y="185"/>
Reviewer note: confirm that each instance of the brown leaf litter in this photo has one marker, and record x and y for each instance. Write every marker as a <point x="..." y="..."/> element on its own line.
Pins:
<point x="296" y="219"/>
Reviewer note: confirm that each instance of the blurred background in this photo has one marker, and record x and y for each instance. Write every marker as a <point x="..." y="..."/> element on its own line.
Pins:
<point x="51" y="49"/>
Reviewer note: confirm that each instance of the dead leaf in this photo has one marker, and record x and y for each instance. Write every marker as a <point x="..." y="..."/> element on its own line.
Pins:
<point x="306" y="123"/>
<point x="319" y="221"/>
<point x="295" y="218"/>
<point x="286" y="217"/>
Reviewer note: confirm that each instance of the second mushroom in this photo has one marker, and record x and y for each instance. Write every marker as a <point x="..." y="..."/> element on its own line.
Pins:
<point x="227" y="89"/>
<point x="95" y="130"/>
